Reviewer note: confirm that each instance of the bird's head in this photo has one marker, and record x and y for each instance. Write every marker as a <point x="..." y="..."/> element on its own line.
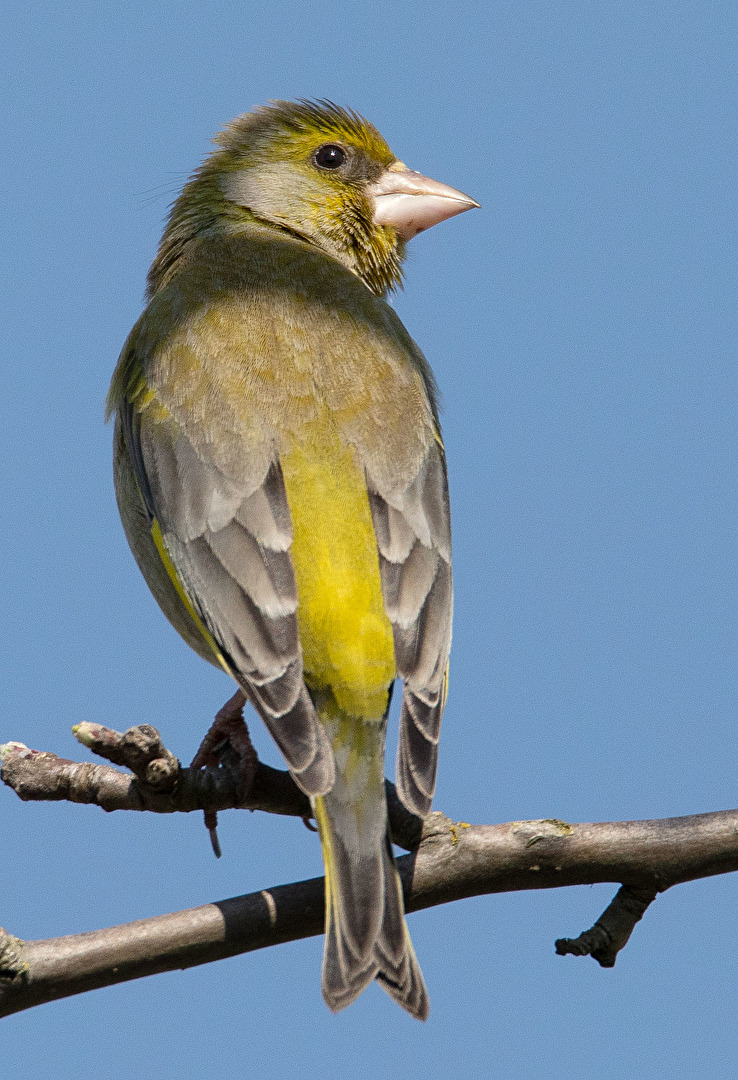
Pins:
<point x="321" y="173"/>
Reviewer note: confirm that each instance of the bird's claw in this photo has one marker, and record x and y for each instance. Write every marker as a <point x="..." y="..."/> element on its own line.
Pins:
<point x="227" y="744"/>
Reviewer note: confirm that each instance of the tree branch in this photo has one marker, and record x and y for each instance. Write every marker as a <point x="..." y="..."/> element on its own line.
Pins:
<point x="161" y="784"/>
<point x="454" y="860"/>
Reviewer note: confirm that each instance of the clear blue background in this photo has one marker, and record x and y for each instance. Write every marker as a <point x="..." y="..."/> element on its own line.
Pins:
<point x="582" y="327"/>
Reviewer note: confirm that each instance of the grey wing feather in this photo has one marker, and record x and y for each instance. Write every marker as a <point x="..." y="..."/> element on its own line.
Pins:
<point x="414" y="540"/>
<point x="229" y="541"/>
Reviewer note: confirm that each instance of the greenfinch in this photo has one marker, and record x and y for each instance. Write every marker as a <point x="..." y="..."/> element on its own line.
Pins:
<point x="282" y="483"/>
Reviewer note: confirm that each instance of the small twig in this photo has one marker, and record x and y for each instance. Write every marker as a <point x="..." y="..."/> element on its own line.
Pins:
<point x="37" y="776"/>
<point x="612" y="930"/>
<point x="140" y="749"/>
<point x="44" y="777"/>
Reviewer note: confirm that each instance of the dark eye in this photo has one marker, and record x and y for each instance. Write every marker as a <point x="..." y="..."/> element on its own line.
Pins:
<point x="330" y="156"/>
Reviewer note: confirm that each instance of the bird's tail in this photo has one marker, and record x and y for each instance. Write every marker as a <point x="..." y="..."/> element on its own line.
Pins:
<point x="365" y="932"/>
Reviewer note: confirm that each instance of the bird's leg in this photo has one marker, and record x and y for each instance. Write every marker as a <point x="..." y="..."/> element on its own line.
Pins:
<point x="227" y="730"/>
<point x="227" y="743"/>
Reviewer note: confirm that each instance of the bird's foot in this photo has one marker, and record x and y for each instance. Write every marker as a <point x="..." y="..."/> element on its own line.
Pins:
<point x="228" y="732"/>
<point x="227" y="744"/>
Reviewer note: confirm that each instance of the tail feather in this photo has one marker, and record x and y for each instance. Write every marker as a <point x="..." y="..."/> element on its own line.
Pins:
<point x="366" y="936"/>
<point x="399" y="972"/>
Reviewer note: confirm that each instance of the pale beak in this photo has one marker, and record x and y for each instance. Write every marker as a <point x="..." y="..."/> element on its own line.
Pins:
<point x="411" y="202"/>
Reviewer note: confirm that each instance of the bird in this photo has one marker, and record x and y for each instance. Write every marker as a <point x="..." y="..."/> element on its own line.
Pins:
<point x="281" y="479"/>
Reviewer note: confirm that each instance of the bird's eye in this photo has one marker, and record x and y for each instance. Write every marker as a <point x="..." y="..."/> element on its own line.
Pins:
<point x="330" y="156"/>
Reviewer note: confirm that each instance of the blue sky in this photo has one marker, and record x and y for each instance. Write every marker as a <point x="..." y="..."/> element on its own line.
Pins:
<point x="582" y="327"/>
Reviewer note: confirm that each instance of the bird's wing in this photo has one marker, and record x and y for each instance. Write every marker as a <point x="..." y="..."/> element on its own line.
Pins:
<point x="414" y="538"/>
<point x="226" y="545"/>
